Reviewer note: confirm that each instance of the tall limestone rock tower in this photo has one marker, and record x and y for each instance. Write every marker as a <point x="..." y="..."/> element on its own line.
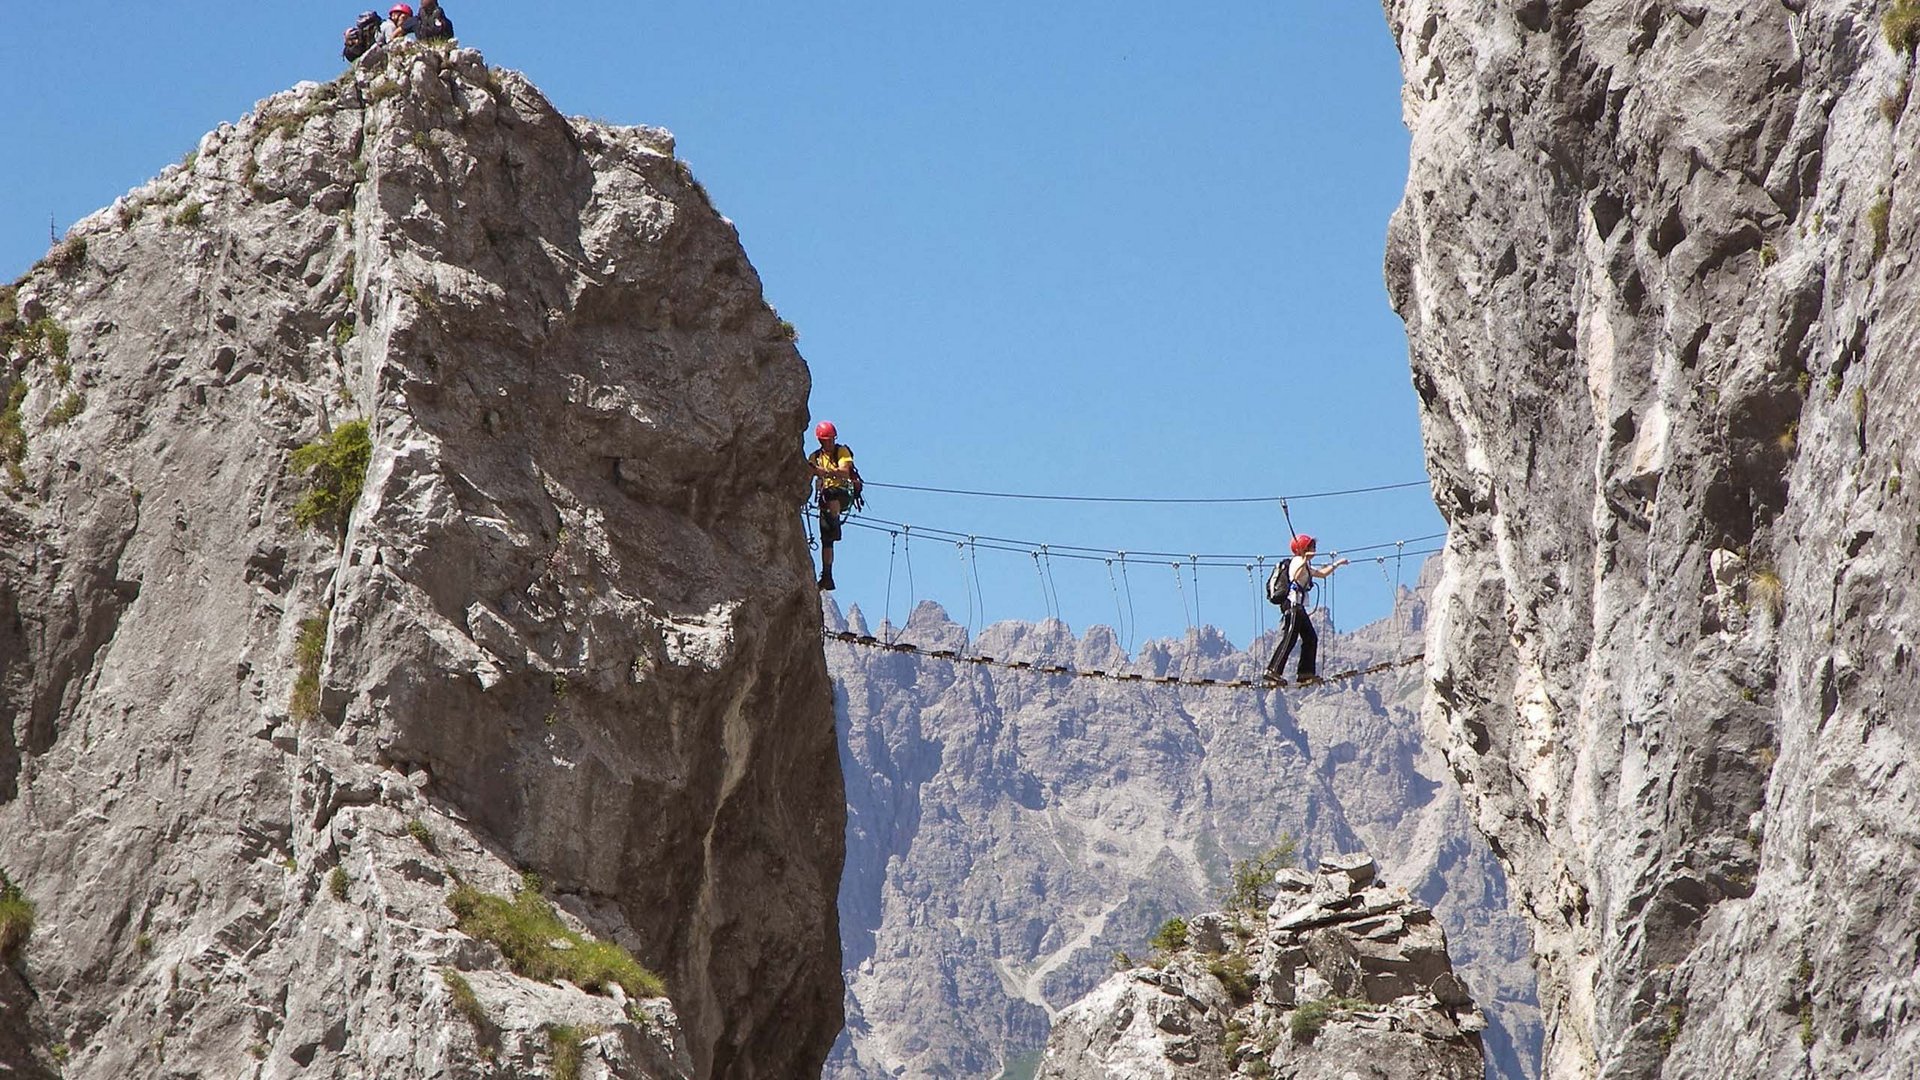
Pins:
<point x="1656" y="265"/>
<point x="567" y="631"/>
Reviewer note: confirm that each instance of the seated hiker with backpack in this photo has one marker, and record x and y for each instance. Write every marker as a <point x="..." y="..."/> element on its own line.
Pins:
<point x="361" y="37"/>
<point x="432" y="23"/>
<point x="1289" y="585"/>
<point x="837" y="489"/>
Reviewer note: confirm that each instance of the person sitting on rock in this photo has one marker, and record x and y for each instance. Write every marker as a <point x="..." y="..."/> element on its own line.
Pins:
<point x="400" y="23"/>
<point x="363" y="35"/>
<point x="433" y="24"/>
<point x="837" y="487"/>
<point x="1296" y="624"/>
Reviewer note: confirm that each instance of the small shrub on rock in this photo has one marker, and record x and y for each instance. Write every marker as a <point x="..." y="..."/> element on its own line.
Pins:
<point x="16" y="919"/>
<point x="309" y="649"/>
<point x="337" y="883"/>
<point x="418" y="830"/>
<point x="1171" y="937"/>
<point x="337" y="470"/>
<point x="1253" y="887"/>
<point x="1311" y="1017"/>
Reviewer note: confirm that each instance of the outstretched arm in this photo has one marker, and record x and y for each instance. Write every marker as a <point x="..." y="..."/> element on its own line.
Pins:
<point x="1327" y="571"/>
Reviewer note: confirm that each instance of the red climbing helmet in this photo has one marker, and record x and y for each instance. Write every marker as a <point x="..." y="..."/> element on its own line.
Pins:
<point x="399" y="9"/>
<point x="1302" y="544"/>
<point x="825" y="430"/>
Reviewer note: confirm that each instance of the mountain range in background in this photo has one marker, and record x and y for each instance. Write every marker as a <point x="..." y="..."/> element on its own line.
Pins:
<point x="1010" y="832"/>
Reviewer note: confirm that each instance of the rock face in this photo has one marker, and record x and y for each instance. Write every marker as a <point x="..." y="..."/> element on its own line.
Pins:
<point x="568" y="629"/>
<point x="1341" y="977"/>
<point x="1011" y="831"/>
<point x="1656" y="266"/>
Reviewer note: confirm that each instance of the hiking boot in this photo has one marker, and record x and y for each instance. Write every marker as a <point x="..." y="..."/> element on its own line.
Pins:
<point x="1309" y="679"/>
<point x="826" y="581"/>
<point x="1271" y="680"/>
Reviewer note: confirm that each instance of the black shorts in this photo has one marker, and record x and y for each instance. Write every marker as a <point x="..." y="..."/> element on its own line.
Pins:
<point x="833" y="504"/>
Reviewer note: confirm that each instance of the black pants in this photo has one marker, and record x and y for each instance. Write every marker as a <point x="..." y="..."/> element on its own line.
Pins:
<point x="833" y="507"/>
<point x="1297" y="626"/>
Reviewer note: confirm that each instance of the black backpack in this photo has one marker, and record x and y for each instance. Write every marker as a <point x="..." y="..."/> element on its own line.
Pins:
<point x="360" y="36"/>
<point x="1277" y="583"/>
<point x="433" y="27"/>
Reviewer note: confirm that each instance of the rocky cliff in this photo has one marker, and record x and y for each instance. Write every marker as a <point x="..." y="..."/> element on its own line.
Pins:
<point x="1656" y="265"/>
<point x="1010" y="831"/>
<point x="555" y="675"/>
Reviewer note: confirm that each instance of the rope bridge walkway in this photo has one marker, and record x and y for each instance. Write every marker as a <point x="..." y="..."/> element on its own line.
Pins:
<point x="868" y="641"/>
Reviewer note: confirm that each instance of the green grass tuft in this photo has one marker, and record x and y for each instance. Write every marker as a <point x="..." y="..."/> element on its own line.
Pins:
<point x="1311" y="1017"/>
<point x="467" y="1004"/>
<point x="69" y="407"/>
<point x="1877" y="216"/>
<point x="1767" y="590"/>
<point x="337" y="468"/>
<point x="308" y="650"/>
<point x="189" y="214"/>
<point x="1902" y="25"/>
<point x="46" y="333"/>
<point x="16" y="919"/>
<point x="568" y="1044"/>
<point x="13" y="433"/>
<point x="525" y="928"/>
<point x="418" y="830"/>
<point x="337" y="883"/>
<point x="69" y="254"/>
<point x="1235" y="976"/>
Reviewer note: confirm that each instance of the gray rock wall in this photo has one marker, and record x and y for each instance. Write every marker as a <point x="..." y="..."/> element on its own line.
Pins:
<point x="1655" y="262"/>
<point x="568" y="629"/>
<point x="1011" y="831"/>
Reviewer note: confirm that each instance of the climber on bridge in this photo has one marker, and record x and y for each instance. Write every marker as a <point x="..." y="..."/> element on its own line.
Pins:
<point x="1291" y="582"/>
<point x="837" y="490"/>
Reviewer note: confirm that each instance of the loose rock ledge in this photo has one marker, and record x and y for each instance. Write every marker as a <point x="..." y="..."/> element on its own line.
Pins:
<point x="1341" y="975"/>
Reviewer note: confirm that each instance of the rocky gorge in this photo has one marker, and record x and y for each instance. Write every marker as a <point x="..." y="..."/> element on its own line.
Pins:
<point x="1656" y="265"/>
<point x="519" y="759"/>
<point x="1010" y="832"/>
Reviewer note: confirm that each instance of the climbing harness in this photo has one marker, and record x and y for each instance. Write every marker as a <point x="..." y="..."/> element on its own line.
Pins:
<point x="868" y="641"/>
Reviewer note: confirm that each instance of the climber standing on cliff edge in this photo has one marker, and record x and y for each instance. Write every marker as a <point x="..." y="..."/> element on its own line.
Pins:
<point x="1289" y="586"/>
<point x="836" y="488"/>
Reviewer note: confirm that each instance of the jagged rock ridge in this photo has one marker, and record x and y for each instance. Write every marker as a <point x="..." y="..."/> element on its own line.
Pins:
<point x="569" y="628"/>
<point x="1656" y="266"/>
<point x="1011" y="831"/>
<point x="1340" y="973"/>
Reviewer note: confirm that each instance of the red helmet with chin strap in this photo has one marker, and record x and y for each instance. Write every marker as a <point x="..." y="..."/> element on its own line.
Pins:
<point x="1302" y="544"/>
<point x="825" y="430"/>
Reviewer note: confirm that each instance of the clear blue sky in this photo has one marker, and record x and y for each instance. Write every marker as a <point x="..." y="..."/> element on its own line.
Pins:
<point x="1121" y="248"/>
